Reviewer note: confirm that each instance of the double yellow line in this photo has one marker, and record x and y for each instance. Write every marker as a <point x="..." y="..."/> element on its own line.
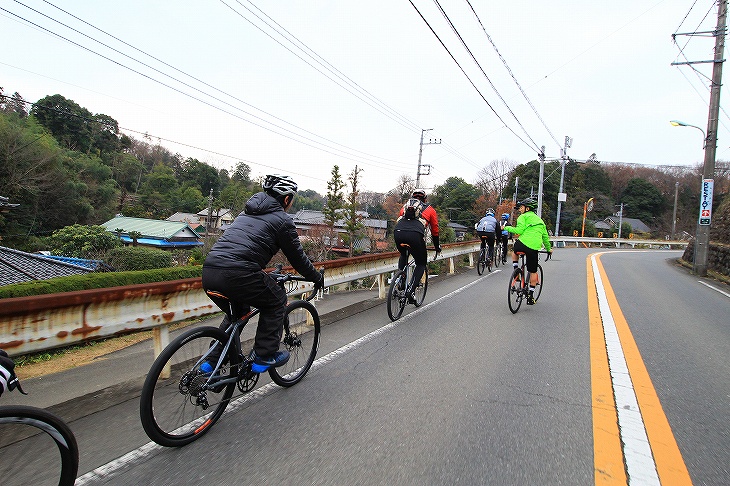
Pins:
<point x="617" y="458"/>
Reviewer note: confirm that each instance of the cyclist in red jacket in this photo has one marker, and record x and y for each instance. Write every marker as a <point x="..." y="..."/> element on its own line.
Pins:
<point x="410" y="236"/>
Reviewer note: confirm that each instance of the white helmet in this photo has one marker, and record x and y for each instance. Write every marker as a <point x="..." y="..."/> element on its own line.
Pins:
<point x="280" y="185"/>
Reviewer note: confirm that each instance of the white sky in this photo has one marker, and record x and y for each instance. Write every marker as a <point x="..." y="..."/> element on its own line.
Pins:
<point x="599" y="72"/>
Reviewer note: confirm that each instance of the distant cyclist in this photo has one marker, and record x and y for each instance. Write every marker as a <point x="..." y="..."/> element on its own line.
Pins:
<point x="487" y="228"/>
<point x="410" y="229"/>
<point x="503" y="236"/>
<point x="6" y="371"/>
<point x="532" y="235"/>
<point x="235" y="265"/>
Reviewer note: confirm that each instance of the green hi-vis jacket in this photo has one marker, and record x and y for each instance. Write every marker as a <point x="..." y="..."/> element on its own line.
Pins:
<point x="531" y="229"/>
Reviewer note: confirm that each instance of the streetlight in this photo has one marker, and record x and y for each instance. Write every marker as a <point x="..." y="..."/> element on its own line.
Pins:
<point x="678" y="123"/>
<point x="587" y="208"/>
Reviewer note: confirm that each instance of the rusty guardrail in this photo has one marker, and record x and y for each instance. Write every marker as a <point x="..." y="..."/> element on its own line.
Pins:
<point x="38" y="323"/>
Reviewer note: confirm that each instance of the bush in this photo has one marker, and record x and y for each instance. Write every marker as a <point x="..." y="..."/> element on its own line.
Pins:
<point x="137" y="258"/>
<point x="98" y="281"/>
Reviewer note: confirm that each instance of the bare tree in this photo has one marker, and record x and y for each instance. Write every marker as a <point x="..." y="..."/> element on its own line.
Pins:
<point x="493" y="178"/>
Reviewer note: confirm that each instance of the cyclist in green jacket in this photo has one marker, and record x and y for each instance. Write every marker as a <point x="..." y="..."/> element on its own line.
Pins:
<point x="532" y="236"/>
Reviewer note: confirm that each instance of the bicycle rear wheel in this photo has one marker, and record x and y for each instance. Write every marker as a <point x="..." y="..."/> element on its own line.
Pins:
<point x="397" y="295"/>
<point x="36" y="447"/>
<point x="301" y="339"/>
<point x="497" y="254"/>
<point x="482" y="263"/>
<point x="178" y="405"/>
<point x="515" y="290"/>
<point x="422" y="288"/>
<point x="538" y="287"/>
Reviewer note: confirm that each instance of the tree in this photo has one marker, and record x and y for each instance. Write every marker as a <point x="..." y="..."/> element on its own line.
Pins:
<point x="353" y="220"/>
<point x="198" y="174"/>
<point x="456" y="197"/>
<point x="242" y="173"/>
<point x="68" y="122"/>
<point x="642" y="201"/>
<point x="493" y="178"/>
<point x="79" y="241"/>
<point x="335" y="202"/>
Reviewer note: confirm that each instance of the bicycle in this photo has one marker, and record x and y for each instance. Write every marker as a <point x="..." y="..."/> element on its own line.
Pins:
<point x="497" y="253"/>
<point x="36" y="446"/>
<point x="397" y="293"/>
<point x="519" y="283"/>
<point x="484" y="261"/>
<point x="180" y="403"/>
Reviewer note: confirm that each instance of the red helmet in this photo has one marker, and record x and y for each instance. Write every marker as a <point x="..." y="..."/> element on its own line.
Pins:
<point x="419" y="194"/>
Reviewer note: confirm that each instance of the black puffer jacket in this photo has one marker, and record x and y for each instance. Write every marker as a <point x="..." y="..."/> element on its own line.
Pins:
<point x="256" y="235"/>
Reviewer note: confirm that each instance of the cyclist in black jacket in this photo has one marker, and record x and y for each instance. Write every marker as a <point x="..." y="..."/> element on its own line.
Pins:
<point x="235" y="264"/>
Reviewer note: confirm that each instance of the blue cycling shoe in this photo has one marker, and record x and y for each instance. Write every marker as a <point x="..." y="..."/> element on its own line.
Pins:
<point x="261" y="364"/>
<point x="206" y="368"/>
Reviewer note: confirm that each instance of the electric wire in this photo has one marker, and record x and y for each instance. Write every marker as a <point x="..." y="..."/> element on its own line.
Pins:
<point x="471" y="54"/>
<point x="466" y="75"/>
<point x="504" y="61"/>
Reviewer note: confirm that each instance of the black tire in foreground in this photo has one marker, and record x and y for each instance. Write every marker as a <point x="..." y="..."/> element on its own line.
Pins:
<point x="301" y="339"/>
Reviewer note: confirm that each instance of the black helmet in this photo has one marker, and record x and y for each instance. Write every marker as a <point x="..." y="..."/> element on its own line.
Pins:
<point x="528" y="203"/>
<point x="419" y="194"/>
<point x="280" y="185"/>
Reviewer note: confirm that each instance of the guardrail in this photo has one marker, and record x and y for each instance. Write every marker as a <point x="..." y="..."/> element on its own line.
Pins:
<point x="38" y="323"/>
<point x="562" y="241"/>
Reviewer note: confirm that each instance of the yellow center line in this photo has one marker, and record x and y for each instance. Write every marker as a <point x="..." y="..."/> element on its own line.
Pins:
<point x="610" y="457"/>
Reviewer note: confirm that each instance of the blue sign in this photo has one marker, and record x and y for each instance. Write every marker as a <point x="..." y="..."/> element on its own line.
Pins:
<point x="706" y="201"/>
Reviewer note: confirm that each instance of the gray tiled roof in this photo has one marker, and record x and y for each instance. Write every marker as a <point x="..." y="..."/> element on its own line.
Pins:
<point x="18" y="266"/>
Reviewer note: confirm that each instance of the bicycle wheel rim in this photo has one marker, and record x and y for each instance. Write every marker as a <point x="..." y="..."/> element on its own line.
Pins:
<point x="481" y="264"/>
<point x="301" y="339"/>
<point x="170" y="407"/>
<point x="396" y="296"/>
<point x="422" y="288"/>
<point x="514" y="291"/>
<point x="36" y="447"/>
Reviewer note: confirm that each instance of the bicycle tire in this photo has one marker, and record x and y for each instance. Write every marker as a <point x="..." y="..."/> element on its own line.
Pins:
<point x="301" y="338"/>
<point x="422" y="288"/>
<point x="540" y="281"/>
<point x="27" y="438"/>
<point x="172" y="409"/>
<point x="481" y="264"/>
<point x="497" y="255"/>
<point x="515" y="290"/>
<point x="396" y="296"/>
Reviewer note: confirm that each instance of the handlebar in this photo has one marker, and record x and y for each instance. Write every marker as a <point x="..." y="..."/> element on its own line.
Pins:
<point x="282" y="278"/>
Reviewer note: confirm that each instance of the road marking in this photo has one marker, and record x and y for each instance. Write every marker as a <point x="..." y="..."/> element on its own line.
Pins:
<point x="145" y="452"/>
<point x="636" y="434"/>
<point x="714" y="288"/>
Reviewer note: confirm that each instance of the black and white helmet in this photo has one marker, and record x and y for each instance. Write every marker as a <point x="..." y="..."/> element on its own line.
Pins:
<point x="280" y="185"/>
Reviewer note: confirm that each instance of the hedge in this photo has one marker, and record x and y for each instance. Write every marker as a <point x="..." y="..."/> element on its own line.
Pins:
<point x="98" y="281"/>
<point x="127" y="258"/>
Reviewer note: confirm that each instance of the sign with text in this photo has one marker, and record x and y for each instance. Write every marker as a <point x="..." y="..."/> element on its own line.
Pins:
<point x="706" y="201"/>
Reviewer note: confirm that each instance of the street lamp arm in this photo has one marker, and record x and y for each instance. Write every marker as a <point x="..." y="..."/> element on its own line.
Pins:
<point x="678" y="123"/>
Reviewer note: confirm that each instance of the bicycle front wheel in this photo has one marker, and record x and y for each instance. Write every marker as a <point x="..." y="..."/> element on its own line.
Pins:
<point x="36" y="447"/>
<point x="178" y="404"/>
<point x="301" y="339"/>
<point x="515" y="290"/>
<point x="397" y="295"/>
<point x="422" y="288"/>
<point x="538" y="287"/>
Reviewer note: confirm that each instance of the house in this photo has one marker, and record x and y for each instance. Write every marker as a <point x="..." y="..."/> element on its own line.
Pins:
<point x="155" y="233"/>
<point x="220" y="217"/>
<point x="636" y="224"/>
<point x="190" y="218"/>
<point x="459" y="230"/>
<point x="18" y="266"/>
<point x="311" y="224"/>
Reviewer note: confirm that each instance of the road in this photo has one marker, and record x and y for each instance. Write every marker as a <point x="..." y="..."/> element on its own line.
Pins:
<point x="461" y="391"/>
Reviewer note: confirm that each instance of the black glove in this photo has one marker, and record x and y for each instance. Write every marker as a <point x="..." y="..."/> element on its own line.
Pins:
<point x="6" y="371"/>
<point x="319" y="284"/>
<point x="436" y="245"/>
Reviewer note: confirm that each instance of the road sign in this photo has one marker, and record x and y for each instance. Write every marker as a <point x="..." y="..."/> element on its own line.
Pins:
<point x="706" y="201"/>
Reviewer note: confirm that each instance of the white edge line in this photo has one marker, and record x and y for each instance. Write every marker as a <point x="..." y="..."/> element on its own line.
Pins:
<point x="714" y="288"/>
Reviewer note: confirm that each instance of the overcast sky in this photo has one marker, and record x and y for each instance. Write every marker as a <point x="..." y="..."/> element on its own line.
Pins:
<point x="353" y="83"/>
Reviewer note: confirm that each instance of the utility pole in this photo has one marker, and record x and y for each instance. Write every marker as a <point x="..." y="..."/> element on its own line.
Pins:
<point x="620" y="219"/>
<point x="420" y="153"/>
<point x="539" y="186"/>
<point x="517" y="181"/>
<point x="210" y="213"/>
<point x="674" y="213"/>
<point x="561" y="195"/>
<point x="702" y="236"/>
